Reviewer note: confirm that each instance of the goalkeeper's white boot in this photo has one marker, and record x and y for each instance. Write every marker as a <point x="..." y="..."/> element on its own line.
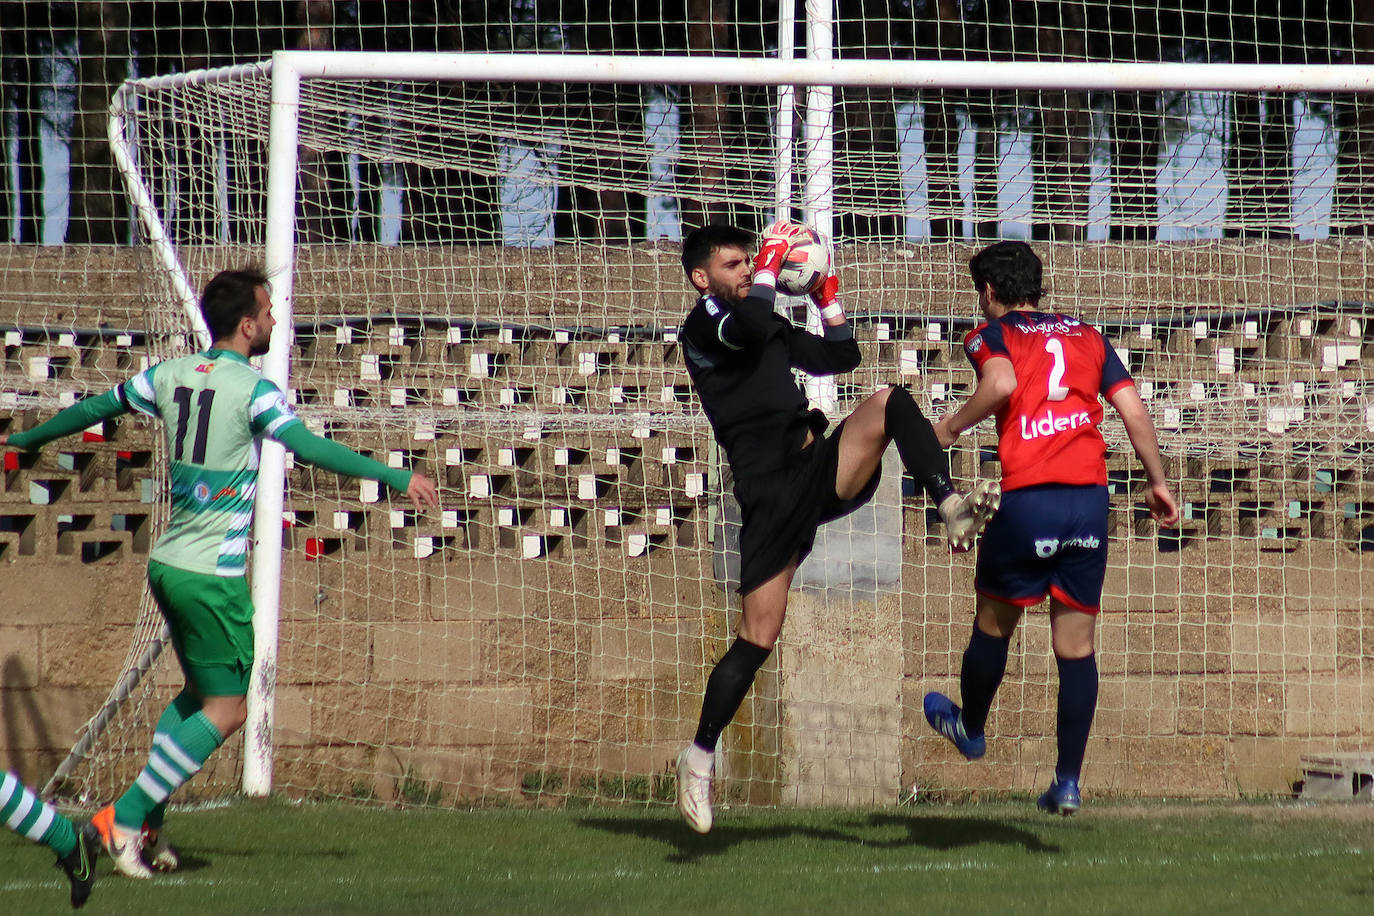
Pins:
<point x="158" y="854"/>
<point x="693" y="792"/>
<point x="966" y="514"/>
<point x="125" y="847"/>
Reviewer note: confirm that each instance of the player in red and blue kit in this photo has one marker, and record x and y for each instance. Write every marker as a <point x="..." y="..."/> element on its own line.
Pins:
<point x="1043" y="374"/>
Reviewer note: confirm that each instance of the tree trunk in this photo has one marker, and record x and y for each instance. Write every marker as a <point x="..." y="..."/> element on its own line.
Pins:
<point x="869" y="199"/>
<point x="1352" y="209"/>
<point x="1061" y="147"/>
<point x="706" y="120"/>
<point x="325" y="211"/>
<point x="99" y="212"/>
<point x="1135" y="136"/>
<point x="1130" y="32"/>
<point x="609" y="214"/>
<point x="982" y="111"/>
<point x="611" y="114"/>
<point x="1259" y="166"/>
<point x="30" y="162"/>
<point x="942" y="131"/>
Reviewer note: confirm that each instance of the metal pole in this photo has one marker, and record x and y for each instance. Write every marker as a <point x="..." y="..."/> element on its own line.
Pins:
<point x="183" y="290"/>
<point x="787" y="107"/>
<point x="818" y="196"/>
<point x="267" y="523"/>
<point x="943" y="74"/>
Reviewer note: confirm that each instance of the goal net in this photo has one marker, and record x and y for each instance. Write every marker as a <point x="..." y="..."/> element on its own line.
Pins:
<point x="485" y="287"/>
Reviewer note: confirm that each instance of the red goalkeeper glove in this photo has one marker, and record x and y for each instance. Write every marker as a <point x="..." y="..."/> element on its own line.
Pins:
<point x="827" y="298"/>
<point x="777" y="240"/>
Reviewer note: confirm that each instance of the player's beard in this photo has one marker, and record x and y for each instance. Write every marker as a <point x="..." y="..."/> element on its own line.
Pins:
<point x="730" y="295"/>
<point x="260" y="345"/>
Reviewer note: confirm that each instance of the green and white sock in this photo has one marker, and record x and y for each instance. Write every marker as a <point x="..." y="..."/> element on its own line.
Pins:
<point x="183" y="706"/>
<point x="28" y="815"/>
<point x="176" y="757"/>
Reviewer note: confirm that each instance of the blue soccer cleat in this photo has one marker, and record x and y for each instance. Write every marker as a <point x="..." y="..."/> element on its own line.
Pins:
<point x="944" y="717"/>
<point x="1061" y="798"/>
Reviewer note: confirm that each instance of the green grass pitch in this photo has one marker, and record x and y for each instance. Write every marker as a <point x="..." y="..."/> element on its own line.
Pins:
<point x="990" y="857"/>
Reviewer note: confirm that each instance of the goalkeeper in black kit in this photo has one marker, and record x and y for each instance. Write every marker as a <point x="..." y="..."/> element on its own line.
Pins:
<point x="790" y="476"/>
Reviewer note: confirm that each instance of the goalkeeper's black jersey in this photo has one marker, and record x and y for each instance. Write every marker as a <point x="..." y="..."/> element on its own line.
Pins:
<point x="740" y="356"/>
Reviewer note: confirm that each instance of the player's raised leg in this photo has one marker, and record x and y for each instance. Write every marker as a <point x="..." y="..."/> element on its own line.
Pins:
<point x="1072" y="634"/>
<point x="76" y="845"/>
<point x="760" y="624"/>
<point x="892" y="415"/>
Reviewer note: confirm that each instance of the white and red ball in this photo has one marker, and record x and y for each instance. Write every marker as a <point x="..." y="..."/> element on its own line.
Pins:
<point x="806" y="266"/>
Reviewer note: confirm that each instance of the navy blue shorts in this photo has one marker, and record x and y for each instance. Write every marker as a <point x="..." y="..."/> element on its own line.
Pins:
<point x="1049" y="539"/>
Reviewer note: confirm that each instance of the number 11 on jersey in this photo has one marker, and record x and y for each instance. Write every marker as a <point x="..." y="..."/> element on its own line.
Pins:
<point x="182" y="397"/>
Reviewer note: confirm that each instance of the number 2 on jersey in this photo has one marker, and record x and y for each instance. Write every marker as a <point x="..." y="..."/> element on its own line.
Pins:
<point x="182" y="398"/>
<point x="1057" y="392"/>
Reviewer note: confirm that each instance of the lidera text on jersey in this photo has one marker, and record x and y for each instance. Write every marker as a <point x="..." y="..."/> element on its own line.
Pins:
<point x="1050" y="424"/>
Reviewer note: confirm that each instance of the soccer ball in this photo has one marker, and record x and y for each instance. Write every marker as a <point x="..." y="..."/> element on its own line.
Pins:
<point x="806" y="266"/>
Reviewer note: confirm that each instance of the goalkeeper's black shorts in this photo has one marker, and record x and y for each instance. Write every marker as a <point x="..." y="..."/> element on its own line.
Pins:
<point x="781" y="510"/>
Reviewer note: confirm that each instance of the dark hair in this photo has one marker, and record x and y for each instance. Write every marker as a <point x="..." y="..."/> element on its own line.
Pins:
<point x="230" y="297"/>
<point x="1013" y="271"/>
<point x="703" y="241"/>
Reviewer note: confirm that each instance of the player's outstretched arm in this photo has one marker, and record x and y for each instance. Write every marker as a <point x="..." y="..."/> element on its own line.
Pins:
<point x="325" y="453"/>
<point x="81" y="415"/>
<point x="422" y="491"/>
<point x="996" y="384"/>
<point x="1141" y="431"/>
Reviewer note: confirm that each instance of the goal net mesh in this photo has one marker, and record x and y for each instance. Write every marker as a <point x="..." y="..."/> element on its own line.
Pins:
<point x="487" y="289"/>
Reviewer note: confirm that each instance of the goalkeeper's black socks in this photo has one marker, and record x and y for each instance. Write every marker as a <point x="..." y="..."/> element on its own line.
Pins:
<point x="985" y="661"/>
<point x="730" y="680"/>
<point x="916" y="443"/>
<point x="1077" y="704"/>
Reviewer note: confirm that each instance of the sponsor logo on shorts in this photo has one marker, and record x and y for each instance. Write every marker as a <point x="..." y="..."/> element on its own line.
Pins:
<point x="201" y="492"/>
<point x="1051" y="424"/>
<point x="1048" y="547"/>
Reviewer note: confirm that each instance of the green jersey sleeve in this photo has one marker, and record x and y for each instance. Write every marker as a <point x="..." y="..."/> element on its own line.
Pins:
<point x="268" y="411"/>
<point x="330" y="455"/>
<point x="79" y="416"/>
<point x="140" y="394"/>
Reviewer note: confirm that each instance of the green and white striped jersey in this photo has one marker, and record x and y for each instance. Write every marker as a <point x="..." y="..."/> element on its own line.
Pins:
<point x="215" y="408"/>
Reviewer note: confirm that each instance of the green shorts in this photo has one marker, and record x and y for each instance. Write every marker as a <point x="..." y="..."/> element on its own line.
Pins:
<point x="211" y="618"/>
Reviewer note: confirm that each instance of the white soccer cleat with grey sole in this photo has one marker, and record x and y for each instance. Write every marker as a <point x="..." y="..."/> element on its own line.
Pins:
<point x="124" y="847"/>
<point x="693" y="794"/>
<point x="159" y="854"/>
<point x="966" y="514"/>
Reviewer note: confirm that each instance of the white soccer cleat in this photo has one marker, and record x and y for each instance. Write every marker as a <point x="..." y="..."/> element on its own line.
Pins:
<point x="159" y="854"/>
<point x="693" y="794"/>
<point x="966" y="514"/>
<point x="125" y="847"/>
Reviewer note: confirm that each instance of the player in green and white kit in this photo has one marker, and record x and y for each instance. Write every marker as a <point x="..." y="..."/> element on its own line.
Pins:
<point x="215" y="408"/>
<point x="76" y="845"/>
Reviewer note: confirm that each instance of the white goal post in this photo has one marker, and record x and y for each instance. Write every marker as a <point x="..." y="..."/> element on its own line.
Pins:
<point x="278" y="93"/>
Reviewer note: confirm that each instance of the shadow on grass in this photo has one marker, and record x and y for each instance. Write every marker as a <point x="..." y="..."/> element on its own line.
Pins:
<point x="936" y="833"/>
<point x="193" y="862"/>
